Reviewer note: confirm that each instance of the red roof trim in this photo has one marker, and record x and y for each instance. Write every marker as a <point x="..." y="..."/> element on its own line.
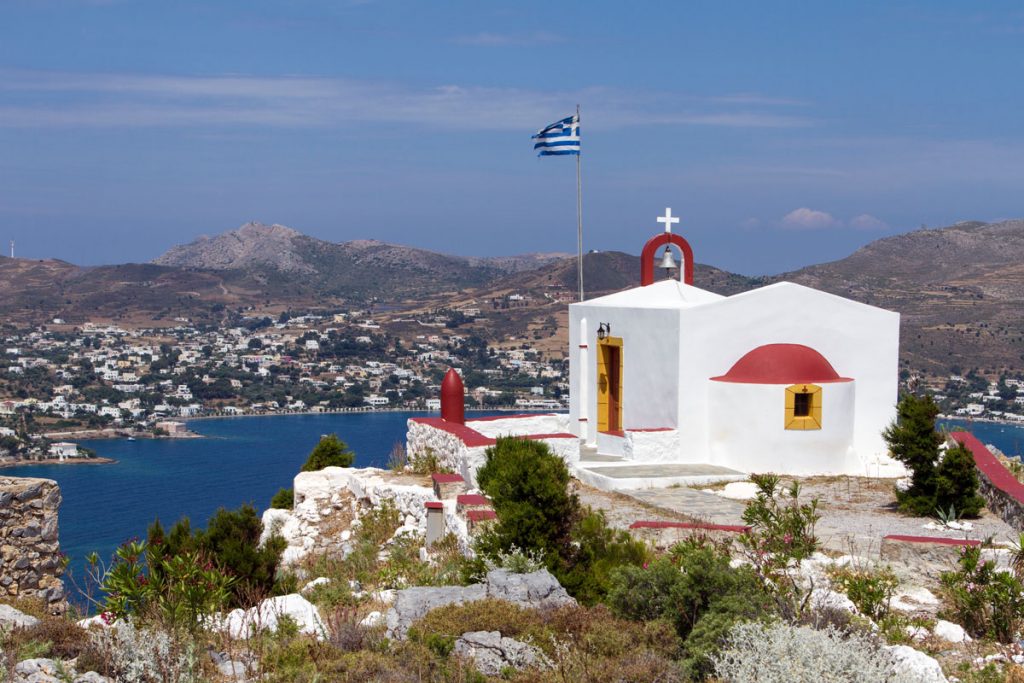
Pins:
<point x="646" y="524"/>
<point x="931" y="539"/>
<point x="481" y="515"/>
<point x="446" y="478"/>
<point x="996" y="472"/>
<point x="434" y="505"/>
<point x="782" y="364"/>
<point x="471" y="499"/>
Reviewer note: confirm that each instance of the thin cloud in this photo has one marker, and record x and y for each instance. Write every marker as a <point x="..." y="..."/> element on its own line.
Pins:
<point x="488" y="39"/>
<point x="60" y="99"/>
<point x="866" y="221"/>
<point x="809" y="219"/>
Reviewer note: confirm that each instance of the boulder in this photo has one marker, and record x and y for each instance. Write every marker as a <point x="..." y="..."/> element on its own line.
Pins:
<point x="914" y="666"/>
<point x="950" y="632"/>
<point x="535" y="590"/>
<point x="10" y="617"/>
<point x="243" y="623"/>
<point x="492" y="654"/>
<point x="49" y="671"/>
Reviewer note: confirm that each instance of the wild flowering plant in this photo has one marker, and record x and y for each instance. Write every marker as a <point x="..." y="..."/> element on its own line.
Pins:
<point x="986" y="601"/>
<point x="781" y="534"/>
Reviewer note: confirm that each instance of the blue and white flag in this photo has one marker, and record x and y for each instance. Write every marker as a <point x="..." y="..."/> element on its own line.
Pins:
<point x="561" y="137"/>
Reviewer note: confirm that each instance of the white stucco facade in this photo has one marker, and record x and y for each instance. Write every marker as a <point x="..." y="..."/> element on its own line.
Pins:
<point x="675" y="338"/>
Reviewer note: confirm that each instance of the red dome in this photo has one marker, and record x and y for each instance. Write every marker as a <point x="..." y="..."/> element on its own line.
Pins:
<point x="782" y="364"/>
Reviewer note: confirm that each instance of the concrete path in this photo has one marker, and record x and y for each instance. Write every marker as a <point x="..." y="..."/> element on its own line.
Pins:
<point x="691" y="503"/>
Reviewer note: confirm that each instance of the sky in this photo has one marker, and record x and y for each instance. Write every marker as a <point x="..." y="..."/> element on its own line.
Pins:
<point x="783" y="133"/>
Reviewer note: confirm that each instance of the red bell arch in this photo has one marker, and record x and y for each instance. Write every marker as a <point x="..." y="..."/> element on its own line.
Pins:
<point x="647" y="257"/>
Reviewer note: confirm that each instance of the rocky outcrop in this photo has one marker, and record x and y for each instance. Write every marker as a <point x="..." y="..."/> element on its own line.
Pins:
<point x="245" y="623"/>
<point x="30" y="559"/>
<point x="492" y="653"/>
<point x="914" y="666"/>
<point x="50" y="671"/>
<point x="328" y="500"/>
<point x="12" y="618"/>
<point x="538" y="590"/>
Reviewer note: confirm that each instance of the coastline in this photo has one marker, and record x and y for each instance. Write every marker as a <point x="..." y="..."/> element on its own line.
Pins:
<point x="54" y="461"/>
<point x="98" y="434"/>
<point x="344" y="411"/>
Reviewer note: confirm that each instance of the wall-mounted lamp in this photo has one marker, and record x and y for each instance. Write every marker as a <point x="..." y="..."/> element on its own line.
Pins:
<point x="603" y="330"/>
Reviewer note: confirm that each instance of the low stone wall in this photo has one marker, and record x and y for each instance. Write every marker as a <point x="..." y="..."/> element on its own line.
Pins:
<point x="1003" y="494"/>
<point x="30" y="560"/>
<point x="927" y="554"/>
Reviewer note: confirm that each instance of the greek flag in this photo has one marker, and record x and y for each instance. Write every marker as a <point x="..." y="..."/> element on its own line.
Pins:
<point x="561" y="137"/>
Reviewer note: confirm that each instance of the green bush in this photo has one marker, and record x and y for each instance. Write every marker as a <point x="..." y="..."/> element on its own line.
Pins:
<point x="329" y="452"/>
<point x="528" y="486"/>
<point x="956" y="483"/>
<point x="695" y="588"/>
<point x="537" y="515"/>
<point x="935" y="482"/>
<point x="871" y="590"/>
<point x="231" y="543"/>
<point x="284" y="499"/>
<point x="986" y="602"/>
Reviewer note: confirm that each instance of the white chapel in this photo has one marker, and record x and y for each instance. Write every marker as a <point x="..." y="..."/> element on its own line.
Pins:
<point x="665" y="375"/>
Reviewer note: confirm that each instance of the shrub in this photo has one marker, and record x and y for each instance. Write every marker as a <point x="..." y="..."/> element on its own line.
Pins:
<point x="231" y="543"/>
<point x="597" y="550"/>
<point x="949" y="481"/>
<point x="284" y="499"/>
<point x="777" y="653"/>
<point x="129" y="654"/>
<point x="871" y="590"/>
<point x="528" y="486"/>
<point x="695" y="588"/>
<point x="956" y="483"/>
<point x="329" y="452"/>
<point x="985" y="601"/>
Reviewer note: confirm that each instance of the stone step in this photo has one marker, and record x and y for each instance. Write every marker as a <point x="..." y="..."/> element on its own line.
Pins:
<point x="596" y="458"/>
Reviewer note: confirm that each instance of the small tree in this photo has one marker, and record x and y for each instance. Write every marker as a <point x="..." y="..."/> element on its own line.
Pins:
<point x="956" y="483"/>
<point x="912" y="440"/>
<point x="284" y="499"/>
<point x="528" y="486"/>
<point x="330" y="452"/>
<point x="937" y="481"/>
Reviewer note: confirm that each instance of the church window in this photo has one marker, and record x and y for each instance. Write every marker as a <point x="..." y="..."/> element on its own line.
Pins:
<point x="803" y="407"/>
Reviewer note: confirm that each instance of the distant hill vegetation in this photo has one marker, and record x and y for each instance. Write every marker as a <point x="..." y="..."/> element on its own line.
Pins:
<point x="960" y="289"/>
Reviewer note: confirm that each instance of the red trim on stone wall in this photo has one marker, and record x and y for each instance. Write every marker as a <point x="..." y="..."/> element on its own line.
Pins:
<point x="481" y="515"/>
<point x="471" y="499"/>
<point x="647" y="524"/>
<point x="467" y="435"/>
<point x="1000" y="477"/>
<point x="434" y="505"/>
<point x="931" y="539"/>
<point x="647" y="257"/>
<point x="446" y="478"/>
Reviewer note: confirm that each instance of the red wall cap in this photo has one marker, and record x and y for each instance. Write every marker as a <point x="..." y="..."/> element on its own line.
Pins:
<point x="932" y="539"/>
<point x="434" y="505"/>
<point x="472" y="499"/>
<point x="481" y="515"/>
<point x="1000" y="477"/>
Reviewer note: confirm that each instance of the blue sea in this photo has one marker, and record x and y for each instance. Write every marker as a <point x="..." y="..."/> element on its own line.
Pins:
<point x="241" y="460"/>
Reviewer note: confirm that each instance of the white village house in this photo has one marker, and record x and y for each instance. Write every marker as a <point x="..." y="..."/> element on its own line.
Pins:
<point x="675" y="384"/>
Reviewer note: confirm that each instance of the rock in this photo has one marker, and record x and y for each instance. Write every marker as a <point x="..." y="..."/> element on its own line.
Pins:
<point x="10" y="617"/>
<point x="372" y="620"/>
<point x="91" y="677"/>
<point x="950" y="632"/>
<point x="913" y="666"/>
<point x="233" y="670"/>
<point x="917" y="632"/>
<point x="913" y="600"/>
<point x="739" y="490"/>
<point x="492" y="654"/>
<point x="537" y="590"/>
<point x="242" y="624"/>
<point x="95" y="620"/>
<point x="825" y="598"/>
<point x="321" y="581"/>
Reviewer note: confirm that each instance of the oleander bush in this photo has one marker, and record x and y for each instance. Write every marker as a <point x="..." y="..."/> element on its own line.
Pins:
<point x="779" y="653"/>
<point x="870" y="589"/>
<point x="987" y="602"/>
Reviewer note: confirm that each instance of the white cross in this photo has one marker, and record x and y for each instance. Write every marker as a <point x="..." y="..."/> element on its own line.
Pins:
<point x="668" y="219"/>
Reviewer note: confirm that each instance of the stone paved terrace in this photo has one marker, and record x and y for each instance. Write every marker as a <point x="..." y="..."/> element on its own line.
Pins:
<point x="616" y="474"/>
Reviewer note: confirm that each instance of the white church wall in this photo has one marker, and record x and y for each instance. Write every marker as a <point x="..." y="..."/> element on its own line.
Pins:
<point x="860" y="341"/>
<point x="747" y="430"/>
<point x="662" y="445"/>
<point x="650" y="361"/>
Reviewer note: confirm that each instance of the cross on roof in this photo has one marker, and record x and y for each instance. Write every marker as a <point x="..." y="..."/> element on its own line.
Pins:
<point x="668" y="219"/>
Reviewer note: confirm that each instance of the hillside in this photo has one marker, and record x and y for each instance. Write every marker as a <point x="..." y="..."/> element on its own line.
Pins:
<point x="959" y="289"/>
<point x="359" y="269"/>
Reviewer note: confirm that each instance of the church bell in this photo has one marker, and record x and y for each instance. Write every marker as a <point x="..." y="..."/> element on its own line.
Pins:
<point x="667" y="260"/>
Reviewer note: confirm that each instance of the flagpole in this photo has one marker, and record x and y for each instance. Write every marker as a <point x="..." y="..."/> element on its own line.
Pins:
<point x="579" y="213"/>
